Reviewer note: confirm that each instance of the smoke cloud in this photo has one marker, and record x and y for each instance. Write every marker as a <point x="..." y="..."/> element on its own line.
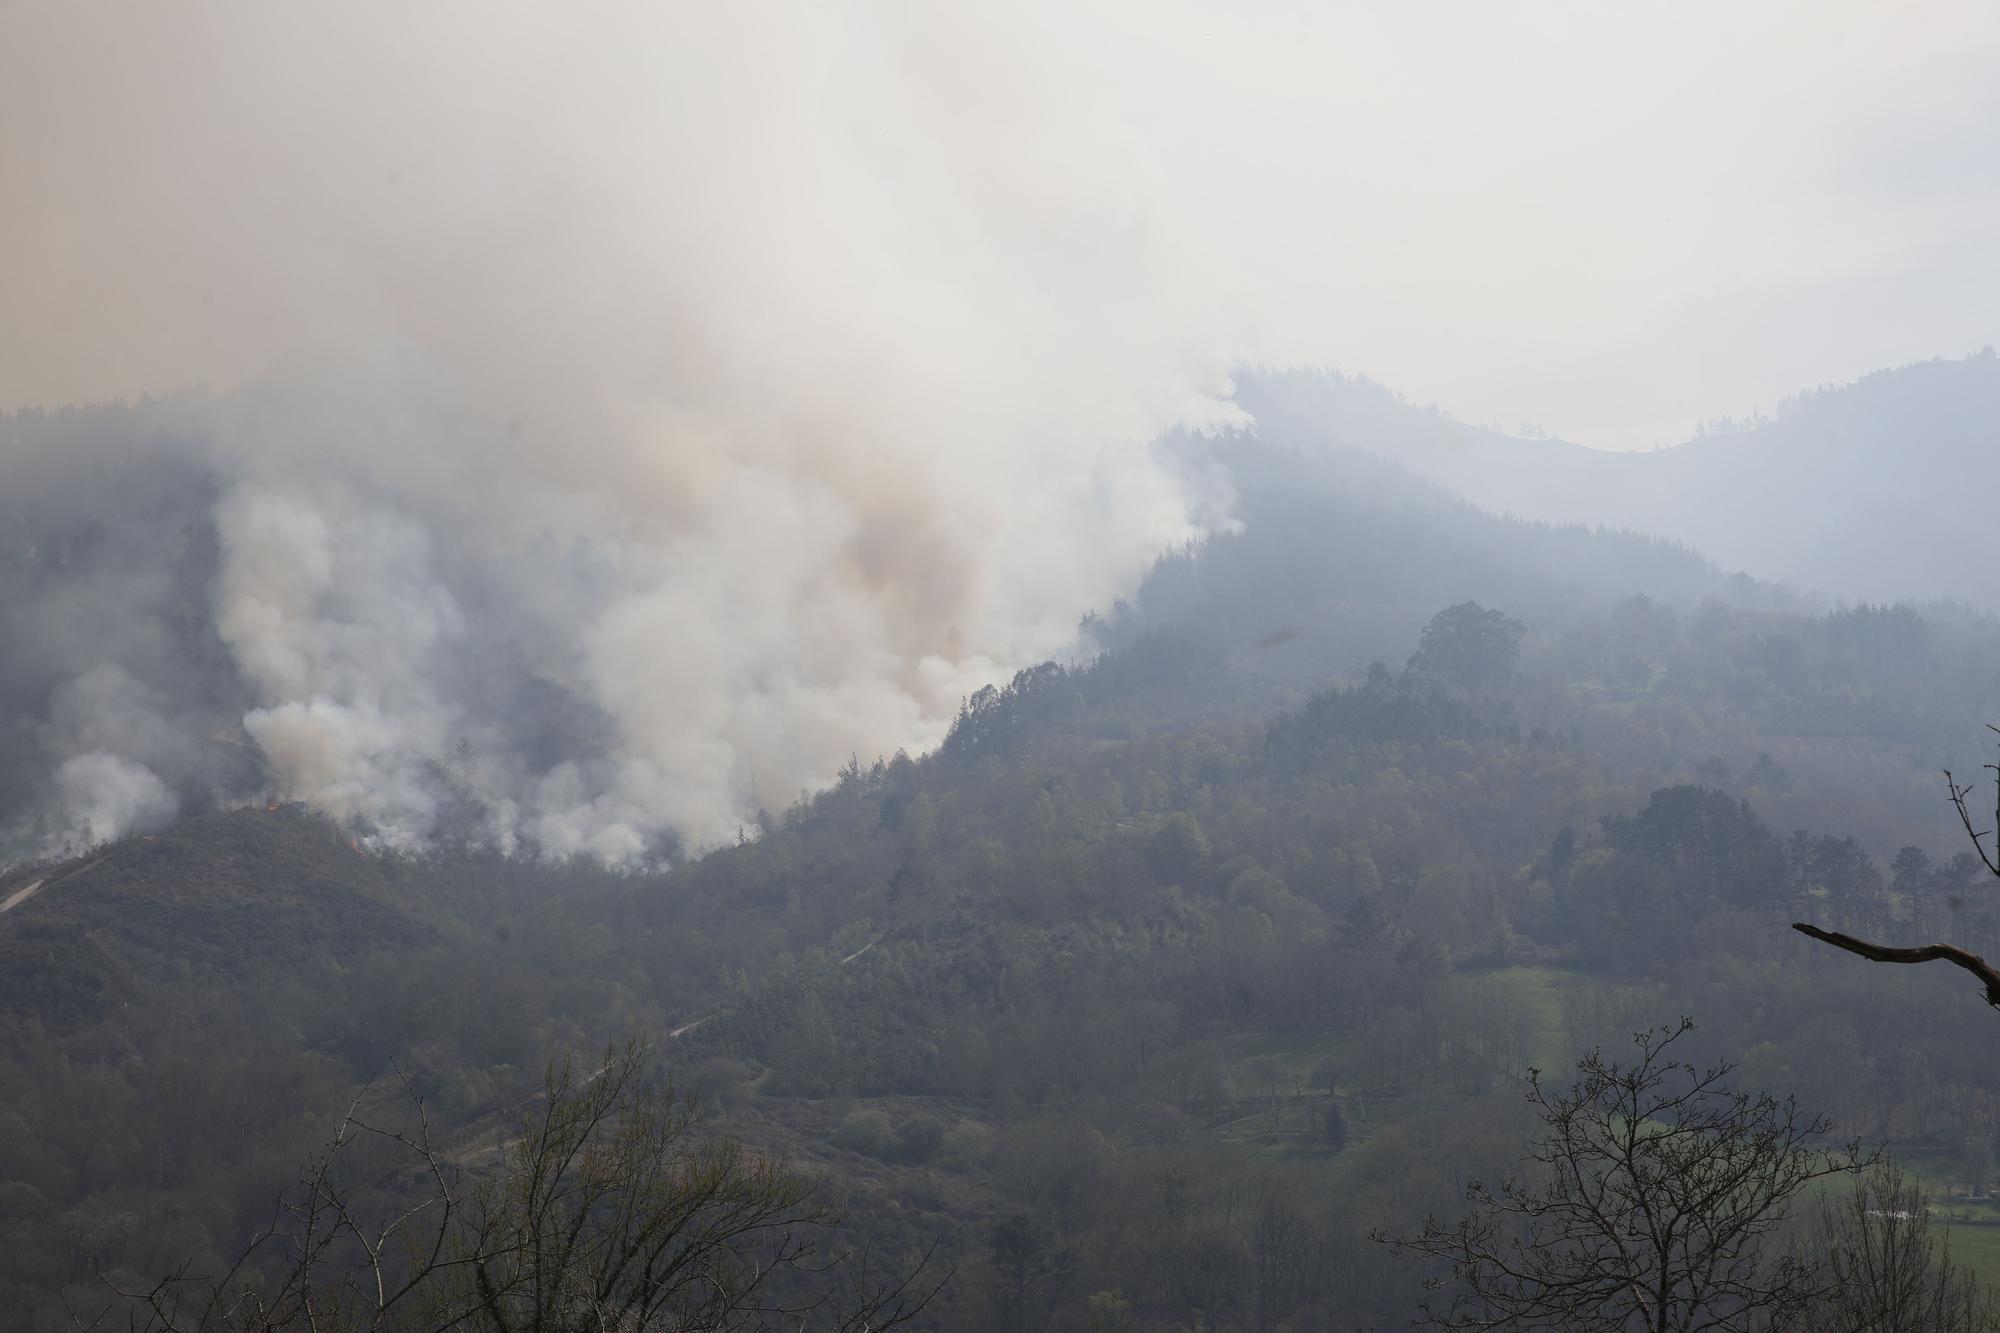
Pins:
<point x="669" y="406"/>
<point x="622" y="412"/>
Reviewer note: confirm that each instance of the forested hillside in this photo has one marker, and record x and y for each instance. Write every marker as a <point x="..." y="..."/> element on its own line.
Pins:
<point x="999" y="668"/>
<point x="1168" y="977"/>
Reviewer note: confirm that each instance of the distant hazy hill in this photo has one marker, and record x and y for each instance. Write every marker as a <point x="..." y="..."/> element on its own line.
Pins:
<point x="1339" y="556"/>
<point x="1881" y="489"/>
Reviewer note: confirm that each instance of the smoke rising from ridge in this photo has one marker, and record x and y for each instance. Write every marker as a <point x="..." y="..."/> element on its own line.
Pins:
<point x="626" y="411"/>
<point x="631" y="380"/>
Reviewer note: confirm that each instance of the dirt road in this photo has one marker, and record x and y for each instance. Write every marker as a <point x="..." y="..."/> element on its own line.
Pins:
<point x="21" y="895"/>
<point x="27" y="891"/>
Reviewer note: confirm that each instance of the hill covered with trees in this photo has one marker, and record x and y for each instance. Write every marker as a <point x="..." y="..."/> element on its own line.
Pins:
<point x="1171" y="975"/>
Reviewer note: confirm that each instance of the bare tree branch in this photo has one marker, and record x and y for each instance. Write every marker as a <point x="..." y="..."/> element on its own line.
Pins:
<point x="1650" y="1201"/>
<point x="1959" y="793"/>
<point x="611" y="1212"/>
<point x="1928" y="953"/>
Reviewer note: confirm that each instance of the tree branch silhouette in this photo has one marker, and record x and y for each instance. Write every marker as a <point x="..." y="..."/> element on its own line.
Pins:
<point x="1927" y="953"/>
<point x="1989" y="855"/>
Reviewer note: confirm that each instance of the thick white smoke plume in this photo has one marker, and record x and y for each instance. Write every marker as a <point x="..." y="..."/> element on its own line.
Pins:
<point x="104" y="796"/>
<point x="716" y="644"/>
<point x="674" y="404"/>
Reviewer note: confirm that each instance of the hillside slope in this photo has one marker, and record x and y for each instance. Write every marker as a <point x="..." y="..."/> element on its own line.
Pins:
<point x="233" y="898"/>
<point x="1223" y="914"/>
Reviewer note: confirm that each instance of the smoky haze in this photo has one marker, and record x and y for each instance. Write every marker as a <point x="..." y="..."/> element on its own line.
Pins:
<point x="618" y="367"/>
<point x="621" y="415"/>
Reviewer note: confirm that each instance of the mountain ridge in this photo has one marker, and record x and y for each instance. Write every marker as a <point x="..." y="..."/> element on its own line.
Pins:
<point x="1869" y="490"/>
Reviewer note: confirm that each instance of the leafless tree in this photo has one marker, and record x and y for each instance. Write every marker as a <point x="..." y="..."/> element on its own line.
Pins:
<point x="1888" y="1273"/>
<point x="610" y="1213"/>
<point x="1650" y="1201"/>
<point x="1960" y="794"/>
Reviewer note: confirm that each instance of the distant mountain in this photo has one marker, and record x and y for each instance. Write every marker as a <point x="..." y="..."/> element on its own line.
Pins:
<point x="1336" y="559"/>
<point x="1878" y="490"/>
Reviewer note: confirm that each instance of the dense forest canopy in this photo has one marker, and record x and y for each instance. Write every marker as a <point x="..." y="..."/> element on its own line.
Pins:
<point x="1177" y="969"/>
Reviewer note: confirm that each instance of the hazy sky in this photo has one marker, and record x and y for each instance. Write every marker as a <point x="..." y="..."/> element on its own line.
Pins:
<point x="1613" y="219"/>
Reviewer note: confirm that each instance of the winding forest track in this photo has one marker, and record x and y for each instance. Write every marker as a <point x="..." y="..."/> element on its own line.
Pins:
<point x="22" y="895"/>
<point x="693" y="1023"/>
<point x="29" y="890"/>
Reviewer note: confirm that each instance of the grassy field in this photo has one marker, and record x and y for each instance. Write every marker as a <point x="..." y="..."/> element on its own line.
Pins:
<point x="1267" y="1126"/>
<point x="1539" y="990"/>
<point x="1972" y="1225"/>
<point x="1978" y="1248"/>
